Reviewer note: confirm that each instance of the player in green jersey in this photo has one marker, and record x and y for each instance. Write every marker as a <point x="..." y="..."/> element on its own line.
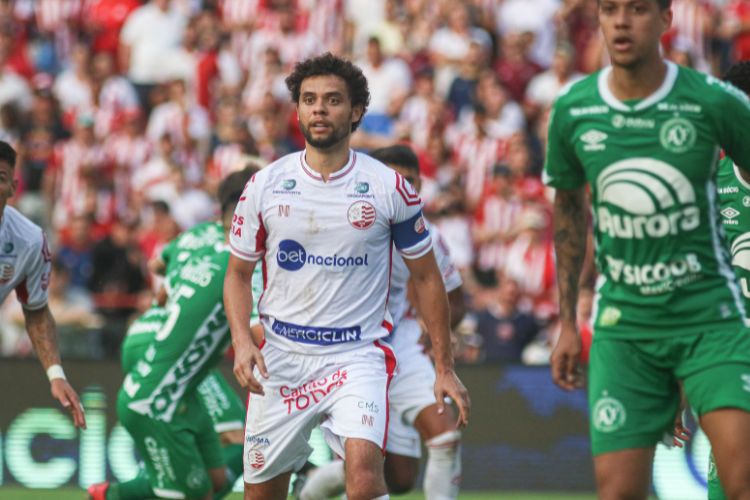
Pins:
<point x="734" y="200"/>
<point x="159" y="402"/>
<point x="645" y="135"/>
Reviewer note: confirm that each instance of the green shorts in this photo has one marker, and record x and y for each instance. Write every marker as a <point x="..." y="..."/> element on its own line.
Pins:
<point x="177" y="455"/>
<point x="222" y="402"/>
<point x="633" y="389"/>
<point x="715" y="491"/>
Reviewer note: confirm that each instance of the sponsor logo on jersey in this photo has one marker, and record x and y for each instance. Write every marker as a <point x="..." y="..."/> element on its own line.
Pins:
<point x="622" y="121"/>
<point x="8" y="247"/>
<point x="593" y="140"/>
<point x="287" y="187"/>
<point x="656" y="278"/>
<point x="362" y="187"/>
<point x="311" y="393"/>
<point x="746" y="201"/>
<point x="685" y="107"/>
<point x="677" y="135"/>
<point x="610" y="316"/>
<point x="257" y="441"/>
<point x="609" y="414"/>
<point x="740" y="250"/>
<point x="160" y="461"/>
<point x="656" y="198"/>
<point x="729" y="190"/>
<point x="746" y="381"/>
<point x="255" y="459"/>
<point x="589" y="110"/>
<point x="292" y="256"/>
<point x="730" y="213"/>
<point x="368" y="406"/>
<point x="317" y="335"/>
<point x="6" y="272"/>
<point x="361" y="215"/>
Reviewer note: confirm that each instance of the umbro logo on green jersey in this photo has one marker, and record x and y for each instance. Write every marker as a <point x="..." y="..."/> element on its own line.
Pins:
<point x="730" y="212"/>
<point x="593" y="139"/>
<point x="746" y="381"/>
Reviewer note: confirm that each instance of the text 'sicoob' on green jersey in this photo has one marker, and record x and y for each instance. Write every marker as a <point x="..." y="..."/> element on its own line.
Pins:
<point x="651" y="164"/>
<point x="734" y="201"/>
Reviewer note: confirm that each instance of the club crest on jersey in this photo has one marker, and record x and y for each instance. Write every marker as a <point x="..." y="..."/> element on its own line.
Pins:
<point x="256" y="459"/>
<point x="609" y="414"/>
<point x="8" y="247"/>
<point x="6" y="272"/>
<point x="677" y="135"/>
<point x="419" y="225"/>
<point x="361" y="215"/>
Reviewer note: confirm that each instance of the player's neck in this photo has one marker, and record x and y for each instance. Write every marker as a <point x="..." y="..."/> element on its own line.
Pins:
<point x="637" y="82"/>
<point x="327" y="161"/>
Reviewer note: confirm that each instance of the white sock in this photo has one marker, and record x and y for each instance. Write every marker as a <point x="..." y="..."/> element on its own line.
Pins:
<point x="442" y="475"/>
<point x="382" y="497"/>
<point x="325" y="482"/>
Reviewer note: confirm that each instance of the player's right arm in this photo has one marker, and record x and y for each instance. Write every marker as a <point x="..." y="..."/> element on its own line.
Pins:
<point x="247" y="243"/>
<point x="564" y="172"/>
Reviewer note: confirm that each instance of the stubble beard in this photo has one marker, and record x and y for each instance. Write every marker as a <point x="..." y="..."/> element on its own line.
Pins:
<point x="335" y="137"/>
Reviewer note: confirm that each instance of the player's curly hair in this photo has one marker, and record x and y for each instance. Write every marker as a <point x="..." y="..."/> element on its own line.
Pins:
<point x="232" y="186"/>
<point x="663" y="4"/>
<point x="328" y="64"/>
<point x="7" y="154"/>
<point x="739" y="76"/>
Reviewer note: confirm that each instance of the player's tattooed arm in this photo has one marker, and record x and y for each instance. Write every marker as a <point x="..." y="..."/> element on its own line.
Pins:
<point x="570" y="249"/>
<point x="40" y="326"/>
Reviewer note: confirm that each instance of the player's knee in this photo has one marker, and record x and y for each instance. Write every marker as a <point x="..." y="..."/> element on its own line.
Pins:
<point x="444" y="446"/>
<point x="620" y="488"/>
<point x="736" y="483"/>
<point x="364" y="484"/>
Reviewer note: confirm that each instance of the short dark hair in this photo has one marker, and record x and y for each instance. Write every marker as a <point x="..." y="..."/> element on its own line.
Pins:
<point x="231" y="188"/>
<point x="739" y="76"/>
<point x="328" y="64"/>
<point x="663" y="4"/>
<point x="398" y="154"/>
<point x="7" y="154"/>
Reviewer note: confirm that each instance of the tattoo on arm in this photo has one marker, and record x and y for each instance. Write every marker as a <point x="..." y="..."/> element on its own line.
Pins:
<point x="570" y="248"/>
<point x="40" y="326"/>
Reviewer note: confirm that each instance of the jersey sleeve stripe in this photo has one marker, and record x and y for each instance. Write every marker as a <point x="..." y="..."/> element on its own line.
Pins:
<point x="260" y="236"/>
<point x="253" y="257"/>
<point x="417" y="251"/>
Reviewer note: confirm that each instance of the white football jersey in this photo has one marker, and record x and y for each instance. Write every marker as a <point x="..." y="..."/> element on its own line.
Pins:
<point x="398" y="303"/>
<point x="326" y="249"/>
<point x="25" y="260"/>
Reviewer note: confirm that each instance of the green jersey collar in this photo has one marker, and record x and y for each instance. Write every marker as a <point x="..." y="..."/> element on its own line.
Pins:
<point x="658" y="95"/>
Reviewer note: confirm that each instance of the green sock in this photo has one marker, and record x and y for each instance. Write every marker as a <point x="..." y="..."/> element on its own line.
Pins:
<point x="138" y="488"/>
<point x="233" y="459"/>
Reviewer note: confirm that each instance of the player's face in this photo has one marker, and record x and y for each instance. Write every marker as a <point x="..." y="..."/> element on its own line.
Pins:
<point x="7" y="184"/>
<point x="632" y="29"/>
<point x="325" y="111"/>
<point x="409" y="175"/>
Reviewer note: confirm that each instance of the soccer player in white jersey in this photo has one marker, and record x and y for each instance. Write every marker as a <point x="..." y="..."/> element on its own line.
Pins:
<point x="413" y="408"/>
<point x="322" y="222"/>
<point x="25" y="264"/>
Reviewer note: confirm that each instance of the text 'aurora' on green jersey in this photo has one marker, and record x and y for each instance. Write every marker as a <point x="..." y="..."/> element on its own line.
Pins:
<point x="651" y="165"/>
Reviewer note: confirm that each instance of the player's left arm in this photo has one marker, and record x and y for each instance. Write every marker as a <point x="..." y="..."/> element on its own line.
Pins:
<point x="731" y="112"/>
<point x="432" y="300"/>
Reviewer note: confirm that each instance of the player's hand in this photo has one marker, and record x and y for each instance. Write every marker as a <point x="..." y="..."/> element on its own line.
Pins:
<point x="566" y="360"/>
<point x="447" y="384"/>
<point x="67" y="396"/>
<point x="246" y="358"/>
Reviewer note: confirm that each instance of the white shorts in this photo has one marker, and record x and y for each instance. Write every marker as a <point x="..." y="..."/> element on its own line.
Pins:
<point x="412" y="390"/>
<point x="346" y="393"/>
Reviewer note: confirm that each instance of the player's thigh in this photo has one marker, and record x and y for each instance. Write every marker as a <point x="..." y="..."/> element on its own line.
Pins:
<point x="279" y="422"/>
<point x="171" y="457"/>
<point x="633" y="394"/>
<point x="364" y="469"/>
<point x="358" y="409"/>
<point x="624" y="474"/>
<point x="728" y="430"/>
<point x="271" y="489"/>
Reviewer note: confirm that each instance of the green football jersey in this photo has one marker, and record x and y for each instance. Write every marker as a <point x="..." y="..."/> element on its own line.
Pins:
<point x="651" y="165"/>
<point x="191" y="340"/>
<point x="734" y="201"/>
<point x="197" y="238"/>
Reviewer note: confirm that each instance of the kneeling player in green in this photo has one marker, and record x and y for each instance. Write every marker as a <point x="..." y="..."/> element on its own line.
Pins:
<point x="160" y="402"/>
<point x="645" y="135"/>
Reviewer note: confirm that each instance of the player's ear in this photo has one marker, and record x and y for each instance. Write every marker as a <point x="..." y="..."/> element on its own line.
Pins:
<point x="13" y="187"/>
<point x="666" y="19"/>
<point x="357" y="112"/>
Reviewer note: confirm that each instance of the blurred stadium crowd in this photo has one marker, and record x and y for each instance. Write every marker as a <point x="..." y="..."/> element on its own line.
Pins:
<point x="126" y="115"/>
